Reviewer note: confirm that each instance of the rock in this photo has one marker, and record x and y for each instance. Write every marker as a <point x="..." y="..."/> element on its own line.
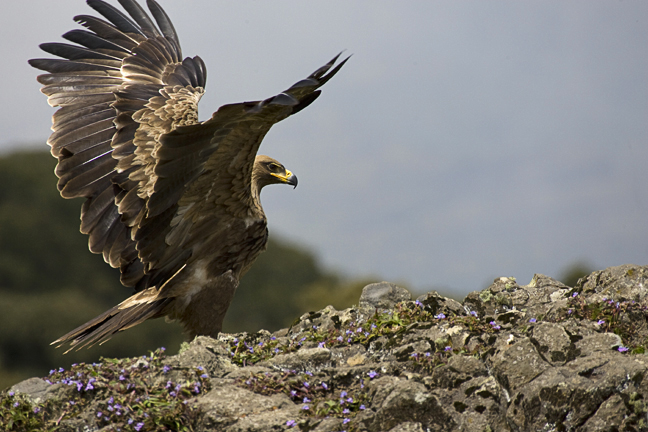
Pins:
<point x="536" y="357"/>
<point x="382" y="296"/>
<point x="553" y="343"/>
<point x="36" y="389"/>
<point x="304" y="359"/>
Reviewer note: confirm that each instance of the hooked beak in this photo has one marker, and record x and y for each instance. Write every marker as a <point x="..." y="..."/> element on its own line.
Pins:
<point x="288" y="178"/>
<point x="291" y="179"/>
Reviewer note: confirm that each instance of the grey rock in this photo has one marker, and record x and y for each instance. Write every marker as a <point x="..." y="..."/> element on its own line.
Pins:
<point x="517" y="364"/>
<point x="36" y="389"/>
<point x="382" y="296"/>
<point x="553" y="343"/>
<point x="305" y="359"/>
<point x="598" y="342"/>
<point x="226" y="405"/>
<point x="408" y="427"/>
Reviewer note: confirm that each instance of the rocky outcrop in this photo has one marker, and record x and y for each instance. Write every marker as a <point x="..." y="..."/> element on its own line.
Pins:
<point x="538" y="357"/>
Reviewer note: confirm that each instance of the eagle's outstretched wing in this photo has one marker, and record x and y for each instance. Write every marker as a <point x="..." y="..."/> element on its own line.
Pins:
<point x="128" y="139"/>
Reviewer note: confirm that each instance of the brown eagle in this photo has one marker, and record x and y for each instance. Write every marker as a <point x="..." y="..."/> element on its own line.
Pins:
<point x="170" y="201"/>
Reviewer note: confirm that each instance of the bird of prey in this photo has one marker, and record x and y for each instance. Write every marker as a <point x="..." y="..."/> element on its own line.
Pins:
<point x="170" y="201"/>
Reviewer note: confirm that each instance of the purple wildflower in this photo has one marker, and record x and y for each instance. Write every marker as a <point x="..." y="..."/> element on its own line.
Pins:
<point x="346" y="420"/>
<point x="350" y="400"/>
<point x="532" y="320"/>
<point x="293" y="393"/>
<point x="575" y="294"/>
<point x="11" y="393"/>
<point x="321" y="345"/>
<point x="345" y="411"/>
<point x="166" y="369"/>
<point x="623" y="349"/>
<point x="305" y="407"/>
<point x="343" y="394"/>
<point x="99" y="414"/>
<point x="204" y="376"/>
<point x="324" y="386"/>
<point x="306" y="384"/>
<point x="362" y="407"/>
<point x="15" y="404"/>
<point x="290" y="423"/>
<point x="306" y="400"/>
<point x="448" y="348"/>
<point x="473" y="313"/>
<point x="89" y="386"/>
<point x="440" y="316"/>
<point x="139" y="426"/>
<point x="372" y="374"/>
<point x="600" y="322"/>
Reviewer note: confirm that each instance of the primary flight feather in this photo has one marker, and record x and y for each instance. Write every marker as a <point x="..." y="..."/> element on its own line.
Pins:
<point x="170" y="201"/>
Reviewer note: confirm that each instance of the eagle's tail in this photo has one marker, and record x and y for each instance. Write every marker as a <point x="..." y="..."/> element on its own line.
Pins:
<point x="121" y="317"/>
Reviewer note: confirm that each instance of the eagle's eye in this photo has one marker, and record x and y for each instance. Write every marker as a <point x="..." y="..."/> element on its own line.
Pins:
<point x="275" y="168"/>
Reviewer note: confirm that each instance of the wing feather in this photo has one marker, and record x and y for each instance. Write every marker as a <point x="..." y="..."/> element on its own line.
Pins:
<point x="103" y="83"/>
<point x="163" y="21"/>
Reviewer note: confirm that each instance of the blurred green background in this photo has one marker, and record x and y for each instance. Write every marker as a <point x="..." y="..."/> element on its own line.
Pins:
<point x="50" y="283"/>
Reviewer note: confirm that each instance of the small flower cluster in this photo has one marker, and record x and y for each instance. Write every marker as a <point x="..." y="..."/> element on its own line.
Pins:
<point x="18" y="413"/>
<point x="127" y="395"/>
<point x="619" y="317"/>
<point x="315" y="397"/>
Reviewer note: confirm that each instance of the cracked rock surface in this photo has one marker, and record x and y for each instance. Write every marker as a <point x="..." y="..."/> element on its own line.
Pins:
<point x="538" y="357"/>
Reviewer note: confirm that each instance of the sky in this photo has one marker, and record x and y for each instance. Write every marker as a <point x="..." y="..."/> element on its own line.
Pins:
<point x="463" y="140"/>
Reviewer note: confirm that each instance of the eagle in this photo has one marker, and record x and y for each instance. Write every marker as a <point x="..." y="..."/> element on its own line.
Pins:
<point x="171" y="201"/>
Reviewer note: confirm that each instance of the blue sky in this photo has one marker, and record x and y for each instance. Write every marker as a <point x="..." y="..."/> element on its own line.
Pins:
<point x="463" y="141"/>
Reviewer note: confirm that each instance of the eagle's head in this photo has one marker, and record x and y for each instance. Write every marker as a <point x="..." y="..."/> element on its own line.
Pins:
<point x="268" y="171"/>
